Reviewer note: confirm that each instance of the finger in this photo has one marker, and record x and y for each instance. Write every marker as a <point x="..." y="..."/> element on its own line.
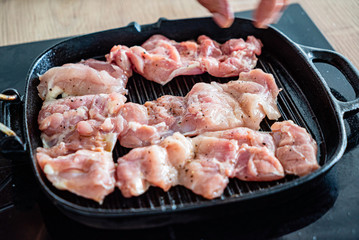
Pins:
<point x="268" y="11"/>
<point x="221" y="10"/>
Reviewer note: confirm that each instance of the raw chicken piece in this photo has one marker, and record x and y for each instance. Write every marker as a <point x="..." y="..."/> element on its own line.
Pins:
<point x="86" y="77"/>
<point x="139" y="129"/>
<point x="207" y="107"/>
<point x="296" y="149"/>
<point x="84" y="122"/>
<point x="257" y="94"/>
<point x="253" y="155"/>
<point x="229" y="59"/>
<point x="213" y="161"/>
<point x="241" y="103"/>
<point x="90" y="174"/>
<point x="257" y="164"/>
<point x="153" y="165"/>
<point x="144" y="167"/>
<point x="118" y="55"/>
<point x="160" y="59"/>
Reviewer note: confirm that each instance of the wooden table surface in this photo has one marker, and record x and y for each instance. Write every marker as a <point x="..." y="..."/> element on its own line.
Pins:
<point x="33" y="20"/>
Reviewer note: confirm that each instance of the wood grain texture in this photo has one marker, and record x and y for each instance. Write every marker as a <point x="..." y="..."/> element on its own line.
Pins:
<point x="34" y="20"/>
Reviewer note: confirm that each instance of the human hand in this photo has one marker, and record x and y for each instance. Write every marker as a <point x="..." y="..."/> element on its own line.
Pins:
<point x="267" y="12"/>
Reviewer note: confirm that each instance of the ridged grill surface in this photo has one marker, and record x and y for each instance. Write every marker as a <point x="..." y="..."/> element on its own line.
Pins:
<point x="142" y="90"/>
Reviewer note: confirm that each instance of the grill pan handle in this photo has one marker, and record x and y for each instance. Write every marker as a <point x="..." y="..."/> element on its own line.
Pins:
<point x="344" y="66"/>
<point x="11" y="117"/>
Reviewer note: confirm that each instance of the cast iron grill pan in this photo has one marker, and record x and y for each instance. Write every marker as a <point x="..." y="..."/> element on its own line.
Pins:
<point x="142" y="90"/>
<point x="305" y="98"/>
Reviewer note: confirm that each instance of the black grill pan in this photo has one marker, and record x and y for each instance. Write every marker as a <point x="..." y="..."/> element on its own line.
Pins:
<point x="306" y="99"/>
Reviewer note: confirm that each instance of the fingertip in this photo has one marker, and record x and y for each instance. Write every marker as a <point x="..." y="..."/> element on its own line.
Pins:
<point x="268" y="11"/>
<point x="260" y="25"/>
<point x="223" y="21"/>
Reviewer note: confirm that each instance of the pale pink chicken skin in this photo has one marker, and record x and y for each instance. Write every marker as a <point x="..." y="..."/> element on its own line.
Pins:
<point x="296" y="149"/>
<point x="160" y="59"/>
<point x="139" y="127"/>
<point x="228" y="59"/>
<point x="205" y="163"/>
<point x="83" y="78"/>
<point x="207" y="107"/>
<point x="140" y="169"/>
<point x="84" y="122"/>
<point x="254" y="158"/>
<point x="118" y="56"/>
<point x="257" y="164"/>
<point x="90" y="174"/>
